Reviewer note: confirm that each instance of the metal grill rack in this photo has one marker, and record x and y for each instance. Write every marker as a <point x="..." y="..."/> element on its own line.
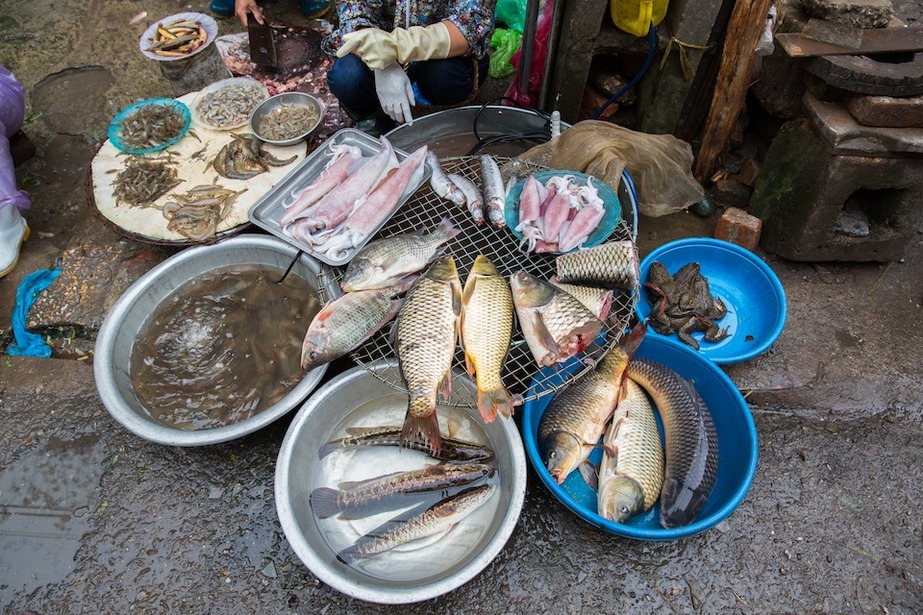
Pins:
<point x="521" y="374"/>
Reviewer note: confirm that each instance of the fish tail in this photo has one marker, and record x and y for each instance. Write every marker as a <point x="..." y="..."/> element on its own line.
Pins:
<point x="448" y="227"/>
<point x="327" y="448"/>
<point x="496" y="401"/>
<point x="348" y="555"/>
<point x="323" y="502"/>
<point x="425" y="427"/>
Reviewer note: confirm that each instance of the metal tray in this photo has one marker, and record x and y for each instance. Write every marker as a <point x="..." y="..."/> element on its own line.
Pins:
<point x="269" y="209"/>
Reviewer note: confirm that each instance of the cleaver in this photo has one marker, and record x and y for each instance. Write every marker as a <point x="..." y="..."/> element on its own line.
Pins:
<point x="262" y="43"/>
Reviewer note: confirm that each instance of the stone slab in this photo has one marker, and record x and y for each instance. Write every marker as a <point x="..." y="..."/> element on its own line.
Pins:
<point x="887" y="111"/>
<point x="867" y="75"/>
<point x="855" y="13"/>
<point x="844" y="135"/>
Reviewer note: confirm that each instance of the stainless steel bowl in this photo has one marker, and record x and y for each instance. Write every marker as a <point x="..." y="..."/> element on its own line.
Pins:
<point x="359" y="397"/>
<point x="286" y="98"/>
<point x="127" y="317"/>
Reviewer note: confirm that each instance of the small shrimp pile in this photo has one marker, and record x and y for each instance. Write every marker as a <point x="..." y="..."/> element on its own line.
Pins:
<point x="287" y="122"/>
<point x="198" y="213"/>
<point x="143" y="181"/>
<point x="229" y="106"/>
<point x="151" y="126"/>
<point x="559" y="215"/>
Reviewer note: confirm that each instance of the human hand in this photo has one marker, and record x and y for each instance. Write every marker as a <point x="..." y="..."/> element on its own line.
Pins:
<point x="373" y="46"/>
<point x="243" y="7"/>
<point x="395" y="93"/>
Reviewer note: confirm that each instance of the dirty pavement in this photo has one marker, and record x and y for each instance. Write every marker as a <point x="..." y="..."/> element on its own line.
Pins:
<point x="94" y="519"/>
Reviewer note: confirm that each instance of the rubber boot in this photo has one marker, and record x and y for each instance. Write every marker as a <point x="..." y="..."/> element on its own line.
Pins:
<point x="13" y="231"/>
<point x="222" y="8"/>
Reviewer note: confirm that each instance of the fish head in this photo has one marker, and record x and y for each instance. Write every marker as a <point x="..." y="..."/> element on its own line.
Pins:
<point x="620" y="498"/>
<point x="679" y="503"/>
<point x="443" y="269"/>
<point x="562" y="453"/>
<point x="359" y="274"/>
<point x="483" y="267"/>
<point x="529" y="290"/>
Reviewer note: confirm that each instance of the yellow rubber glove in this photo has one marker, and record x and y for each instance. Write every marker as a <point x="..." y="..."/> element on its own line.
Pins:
<point x="378" y="48"/>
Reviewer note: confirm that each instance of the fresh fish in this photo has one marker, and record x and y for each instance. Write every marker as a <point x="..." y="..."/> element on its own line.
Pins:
<point x="438" y="518"/>
<point x="452" y="449"/>
<point x="631" y="470"/>
<point x="344" y="160"/>
<point x="424" y="341"/>
<point x="384" y="262"/>
<point x="440" y="182"/>
<point x="597" y="300"/>
<point x="576" y="417"/>
<point x="613" y="264"/>
<point x="485" y="328"/>
<point x="372" y="211"/>
<point x="555" y="324"/>
<point x="690" y="439"/>
<point x="360" y="498"/>
<point x="344" y="323"/>
<point x="580" y="227"/>
<point x="337" y="204"/>
<point x="494" y="190"/>
<point x="474" y="200"/>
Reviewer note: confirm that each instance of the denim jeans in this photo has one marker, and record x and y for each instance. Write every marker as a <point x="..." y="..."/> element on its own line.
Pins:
<point x="440" y="82"/>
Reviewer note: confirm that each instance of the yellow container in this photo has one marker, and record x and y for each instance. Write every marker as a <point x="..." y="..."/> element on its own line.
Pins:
<point x="635" y="16"/>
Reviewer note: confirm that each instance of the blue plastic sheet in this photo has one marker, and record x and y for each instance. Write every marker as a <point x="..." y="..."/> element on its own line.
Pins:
<point x="30" y="344"/>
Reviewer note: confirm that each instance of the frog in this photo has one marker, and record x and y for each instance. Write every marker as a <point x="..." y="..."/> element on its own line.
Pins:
<point x="683" y="303"/>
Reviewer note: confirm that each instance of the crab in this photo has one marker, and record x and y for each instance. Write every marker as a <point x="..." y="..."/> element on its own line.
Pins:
<point x="683" y="303"/>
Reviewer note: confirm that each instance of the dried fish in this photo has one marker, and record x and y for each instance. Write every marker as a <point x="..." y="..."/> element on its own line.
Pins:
<point x="143" y="181"/>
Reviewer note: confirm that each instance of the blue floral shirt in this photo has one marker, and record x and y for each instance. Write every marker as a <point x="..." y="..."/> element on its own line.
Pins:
<point x="474" y="18"/>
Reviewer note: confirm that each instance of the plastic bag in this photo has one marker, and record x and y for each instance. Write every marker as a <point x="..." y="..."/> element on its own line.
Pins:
<point x="661" y="165"/>
<point x="512" y="13"/>
<point x="539" y="52"/>
<point x="504" y="44"/>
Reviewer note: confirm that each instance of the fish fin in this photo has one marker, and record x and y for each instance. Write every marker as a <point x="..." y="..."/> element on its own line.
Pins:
<point x="469" y="363"/>
<point x="447" y="226"/>
<point x="349" y="555"/>
<point x="634" y="338"/>
<point x="445" y="385"/>
<point x="323" y="502"/>
<point x="427" y="427"/>
<point x="346" y="485"/>
<point x="589" y="474"/>
<point x="327" y="448"/>
<point x="544" y="336"/>
<point x="490" y="403"/>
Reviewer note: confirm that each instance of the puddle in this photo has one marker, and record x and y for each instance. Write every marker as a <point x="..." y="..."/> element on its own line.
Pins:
<point x="46" y="498"/>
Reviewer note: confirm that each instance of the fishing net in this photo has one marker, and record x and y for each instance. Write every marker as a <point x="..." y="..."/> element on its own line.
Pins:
<point x="660" y="165"/>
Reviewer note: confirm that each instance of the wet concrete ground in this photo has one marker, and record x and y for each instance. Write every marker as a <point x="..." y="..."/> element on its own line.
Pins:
<point x="94" y="519"/>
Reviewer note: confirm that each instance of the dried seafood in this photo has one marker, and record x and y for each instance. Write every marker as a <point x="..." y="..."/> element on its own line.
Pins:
<point x="178" y="38"/>
<point x="287" y="122"/>
<point x="229" y="106"/>
<point x="198" y="213"/>
<point x="151" y="125"/>
<point x="143" y="181"/>
<point x="244" y="158"/>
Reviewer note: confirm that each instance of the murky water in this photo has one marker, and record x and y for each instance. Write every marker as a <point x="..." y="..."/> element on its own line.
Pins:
<point x="223" y="347"/>
<point x="46" y="502"/>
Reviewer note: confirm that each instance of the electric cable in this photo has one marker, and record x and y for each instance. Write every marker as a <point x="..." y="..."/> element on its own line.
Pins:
<point x="652" y="47"/>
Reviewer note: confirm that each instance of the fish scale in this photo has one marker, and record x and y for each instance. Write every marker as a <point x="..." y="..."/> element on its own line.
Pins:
<point x="613" y="264"/>
<point x="631" y="470"/>
<point x="691" y="441"/>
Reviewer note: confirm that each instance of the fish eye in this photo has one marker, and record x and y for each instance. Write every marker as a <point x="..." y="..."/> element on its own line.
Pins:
<point x="313" y="355"/>
<point x="623" y="510"/>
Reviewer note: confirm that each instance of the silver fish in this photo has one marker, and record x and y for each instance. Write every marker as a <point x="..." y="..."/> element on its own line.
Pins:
<point x="360" y="498"/>
<point x="494" y="190"/>
<point x="344" y="323"/>
<point x="440" y="182"/>
<point x="691" y="441"/>
<point x="631" y="470"/>
<point x="474" y="200"/>
<point x="384" y="262"/>
<point x="401" y="530"/>
<point x="424" y="341"/>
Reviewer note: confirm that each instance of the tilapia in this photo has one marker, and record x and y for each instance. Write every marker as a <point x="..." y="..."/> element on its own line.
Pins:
<point x="613" y="264"/>
<point x="384" y="262"/>
<point x="555" y="324"/>
<point x="493" y="189"/>
<point x="474" y="200"/>
<point x="361" y="498"/>
<point x="440" y="182"/>
<point x="424" y="341"/>
<point x="691" y="441"/>
<point x="438" y="518"/>
<point x="631" y="470"/>
<point x="485" y="329"/>
<point x="576" y="417"/>
<point x="597" y="300"/>
<point x="344" y="323"/>
<point x="452" y="449"/>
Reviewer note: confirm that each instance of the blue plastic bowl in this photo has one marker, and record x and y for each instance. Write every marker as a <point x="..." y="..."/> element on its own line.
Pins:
<point x="115" y="128"/>
<point x="751" y="291"/>
<point x="737" y="449"/>
<point x="610" y="202"/>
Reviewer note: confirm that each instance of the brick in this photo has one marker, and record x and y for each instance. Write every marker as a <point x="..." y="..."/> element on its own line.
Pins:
<point x="887" y="111"/>
<point x="749" y="173"/>
<point x="737" y="226"/>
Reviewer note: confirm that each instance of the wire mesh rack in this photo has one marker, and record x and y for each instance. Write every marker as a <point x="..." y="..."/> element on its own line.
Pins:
<point x="521" y="374"/>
